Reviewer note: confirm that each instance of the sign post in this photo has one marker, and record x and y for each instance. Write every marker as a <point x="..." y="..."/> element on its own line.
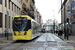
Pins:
<point x="72" y="14"/>
<point x="7" y="25"/>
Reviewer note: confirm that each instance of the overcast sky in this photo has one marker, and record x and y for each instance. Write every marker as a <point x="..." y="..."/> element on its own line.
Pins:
<point x="45" y="8"/>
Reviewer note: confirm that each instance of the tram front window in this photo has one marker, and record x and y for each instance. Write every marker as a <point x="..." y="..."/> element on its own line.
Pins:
<point x="19" y="25"/>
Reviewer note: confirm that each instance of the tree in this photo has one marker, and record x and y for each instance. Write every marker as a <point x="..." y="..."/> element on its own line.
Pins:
<point x="56" y="27"/>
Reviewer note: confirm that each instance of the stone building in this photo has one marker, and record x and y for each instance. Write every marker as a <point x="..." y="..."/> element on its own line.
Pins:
<point x="28" y="8"/>
<point x="66" y="11"/>
<point x="8" y="9"/>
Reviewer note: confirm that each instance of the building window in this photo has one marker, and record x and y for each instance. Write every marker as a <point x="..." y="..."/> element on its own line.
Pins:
<point x="17" y="10"/>
<point x="5" y="3"/>
<point x="9" y="21"/>
<point x="5" y="20"/>
<point x="0" y="19"/>
<point x="12" y="6"/>
<point x="0" y="1"/>
<point x="9" y="4"/>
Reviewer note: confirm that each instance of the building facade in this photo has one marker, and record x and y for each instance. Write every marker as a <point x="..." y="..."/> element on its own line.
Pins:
<point x="49" y="22"/>
<point x="35" y="13"/>
<point x="28" y="8"/>
<point x="39" y="17"/>
<point x="8" y="8"/>
<point x="49" y="25"/>
<point x="66" y="11"/>
<point x="67" y="15"/>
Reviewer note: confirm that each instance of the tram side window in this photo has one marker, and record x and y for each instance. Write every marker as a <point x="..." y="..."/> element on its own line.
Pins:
<point x="29" y="24"/>
<point x="26" y="28"/>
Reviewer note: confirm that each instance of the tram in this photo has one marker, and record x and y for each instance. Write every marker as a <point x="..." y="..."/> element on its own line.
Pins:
<point x="24" y="28"/>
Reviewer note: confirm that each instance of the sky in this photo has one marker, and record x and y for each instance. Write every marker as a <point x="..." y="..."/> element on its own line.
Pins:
<point x="48" y="9"/>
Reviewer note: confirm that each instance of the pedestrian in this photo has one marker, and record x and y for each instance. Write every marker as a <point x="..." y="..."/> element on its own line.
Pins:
<point x="6" y="31"/>
<point x="65" y="31"/>
<point x="60" y="32"/>
<point x="56" y="31"/>
<point x="69" y="32"/>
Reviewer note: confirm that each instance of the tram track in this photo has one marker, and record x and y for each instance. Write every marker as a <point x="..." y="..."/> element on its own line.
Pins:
<point x="6" y="45"/>
<point x="47" y="44"/>
<point x="11" y="45"/>
<point x="17" y="44"/>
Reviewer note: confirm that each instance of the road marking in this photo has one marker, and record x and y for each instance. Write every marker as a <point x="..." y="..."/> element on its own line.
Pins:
<point x="31" y="47"/>
<point x="3" y="43"/>
<point x="18" y="43"/>
<point x="30" y="43"/>
<point x="25" y="49"/>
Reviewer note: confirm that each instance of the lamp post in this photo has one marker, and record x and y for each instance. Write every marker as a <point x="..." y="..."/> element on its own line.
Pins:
<point x="7" y="25"/>
<point x="54" y="20"/>
<point x="64" y="23"/>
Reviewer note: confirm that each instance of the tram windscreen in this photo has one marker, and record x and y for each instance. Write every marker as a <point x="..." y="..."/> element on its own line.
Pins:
<point x="19" y="24"/>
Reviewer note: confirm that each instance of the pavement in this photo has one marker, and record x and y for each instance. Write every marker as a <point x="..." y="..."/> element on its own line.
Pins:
<point x="10" y="39"/>
<point x="71" y="39"/>
<point x="4" y="39"/>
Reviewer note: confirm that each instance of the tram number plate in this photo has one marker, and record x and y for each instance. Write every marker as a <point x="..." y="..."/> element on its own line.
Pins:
<point x="19" y="34"/>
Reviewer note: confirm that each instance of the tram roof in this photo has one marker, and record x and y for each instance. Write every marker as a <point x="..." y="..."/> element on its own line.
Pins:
<point x="27" y="17"/>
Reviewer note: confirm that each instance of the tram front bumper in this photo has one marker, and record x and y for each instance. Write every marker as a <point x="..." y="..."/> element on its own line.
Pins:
<point x="21" y="38"/>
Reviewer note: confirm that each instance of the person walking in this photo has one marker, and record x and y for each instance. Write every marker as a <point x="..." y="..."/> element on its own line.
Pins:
<point x="65" y="31"/>
<point x="6" y="31"/>
<point x="69" y="32"/>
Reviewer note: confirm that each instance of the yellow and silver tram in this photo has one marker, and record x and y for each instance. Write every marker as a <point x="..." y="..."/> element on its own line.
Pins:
<point x="24" y="28"/>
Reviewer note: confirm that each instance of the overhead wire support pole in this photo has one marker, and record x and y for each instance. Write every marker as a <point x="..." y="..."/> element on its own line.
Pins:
<point x="67" y="33"/>
<point x="64" y="23"/>
<point x="7" y="25"/>
<point x="54" y="20"/>
<point x="61" y="11"/>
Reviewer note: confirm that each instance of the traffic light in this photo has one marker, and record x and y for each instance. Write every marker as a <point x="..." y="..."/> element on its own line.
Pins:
<point x="67" y="21"/>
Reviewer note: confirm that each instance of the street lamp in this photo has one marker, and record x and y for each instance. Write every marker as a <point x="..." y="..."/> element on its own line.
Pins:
<point x="54" y="20"/>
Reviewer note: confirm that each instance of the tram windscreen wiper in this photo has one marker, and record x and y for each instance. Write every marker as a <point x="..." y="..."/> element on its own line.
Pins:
<point x="17" y="25"/>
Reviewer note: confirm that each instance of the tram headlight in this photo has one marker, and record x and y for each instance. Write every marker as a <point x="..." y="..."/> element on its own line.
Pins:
<point x="14" y="33"/>
<point x="25" y="33"/>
